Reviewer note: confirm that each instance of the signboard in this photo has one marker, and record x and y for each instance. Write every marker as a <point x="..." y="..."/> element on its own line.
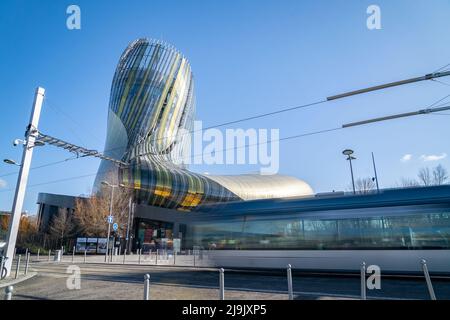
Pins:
<point x="91" y="245"/>
<point x="101" y="245"/>
<point x="81" y="244"/>
<point x="115" y="226"/>
<point x="110" y="219"/>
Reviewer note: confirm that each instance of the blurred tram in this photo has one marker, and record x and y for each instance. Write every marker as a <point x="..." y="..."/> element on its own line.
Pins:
<point x="392" y="228"/>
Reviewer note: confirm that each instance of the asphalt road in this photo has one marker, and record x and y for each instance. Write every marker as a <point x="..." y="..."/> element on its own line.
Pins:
<point x="101" y="281"/>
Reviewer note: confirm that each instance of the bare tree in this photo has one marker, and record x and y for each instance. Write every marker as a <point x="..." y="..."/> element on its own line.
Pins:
<point x="364" y="185"/>
<point x="91" y="213"/>
<point x="62" y="225"/>
<point x="440" y="175"/>
<point x="407" y="182"/>
<point x="425" y="177"/>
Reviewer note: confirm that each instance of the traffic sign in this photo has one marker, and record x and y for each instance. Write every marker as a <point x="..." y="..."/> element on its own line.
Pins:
<point x="115" y="226"/>
<point x="110" y="219"/>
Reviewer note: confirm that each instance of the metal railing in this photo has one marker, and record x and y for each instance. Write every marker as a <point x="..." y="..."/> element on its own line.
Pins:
<point x="191" y="258"/>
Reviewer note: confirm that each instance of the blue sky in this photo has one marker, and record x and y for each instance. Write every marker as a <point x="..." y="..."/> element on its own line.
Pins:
<point x="248" y="57"/>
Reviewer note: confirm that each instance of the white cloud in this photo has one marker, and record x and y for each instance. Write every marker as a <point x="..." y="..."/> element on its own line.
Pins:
<point x="3" y="184"/>
<point x="406" y="158"/>
<point x="433" y="157"/>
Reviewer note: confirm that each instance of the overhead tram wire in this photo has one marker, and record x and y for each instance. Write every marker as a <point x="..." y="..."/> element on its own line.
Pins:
<point x="53" y="181"/>
<point x="301" y="135"/>
<point x="279" y="140"/>
<point x="282" y="139"/>
<point x="444" y="68"/>
<point x="93" y="174"/>
<point x="345" y="126"/>
<point x="331" y="98"/>
<point x="431" y="76"/>
<point x="41" y="166"/>
<point x="441" y="82"/>
<point x="75" y="123"/>
<point x="428" y="110"/>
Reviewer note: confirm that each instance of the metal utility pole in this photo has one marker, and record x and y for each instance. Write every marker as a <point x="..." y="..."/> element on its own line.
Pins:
<point x="109" y="222"/>
<point x="130" y="205"/>
<point x="348" y="153"/>
<point x="375" y="171"/>
<point x="30" y="136"/>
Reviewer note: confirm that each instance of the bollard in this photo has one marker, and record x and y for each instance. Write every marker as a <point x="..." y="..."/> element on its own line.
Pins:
<point x="17" y="267"/>
<point x="49" y="252"/>
<point x="27" y="263"/>
<point x="124" y="255"/>
<point x="8" y="292"/>
<point x="289" y="280"/>
<point x="139" y="258"/>
<point x="147" y="287"/>
<point x="2" y="267"/>
<point x="26" y="252"/>
<point x="221" y="284"/>
<point x="39" y="251"/>
<point x="174" y="257"/>
<point x="85" y="256"/>
<point x="157" y="253"/>
<point x="428" y="279"/>
<point x="194" y="259"/>
<point x="363" y="281"/>
<point x="73" y="254"/>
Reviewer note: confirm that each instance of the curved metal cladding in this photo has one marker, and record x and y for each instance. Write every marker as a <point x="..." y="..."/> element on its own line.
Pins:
<point x="151" y="112"/>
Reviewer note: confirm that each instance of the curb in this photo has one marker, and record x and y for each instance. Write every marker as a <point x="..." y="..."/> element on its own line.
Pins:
<point x="16" y="281"/>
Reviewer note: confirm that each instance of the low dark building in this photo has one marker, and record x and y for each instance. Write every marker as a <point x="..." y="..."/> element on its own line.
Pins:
<point x="50" y="205"/>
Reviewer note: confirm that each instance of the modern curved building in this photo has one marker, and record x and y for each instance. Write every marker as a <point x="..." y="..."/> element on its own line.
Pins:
<point x="245" y="221"/>
<point x="151" y="113"/>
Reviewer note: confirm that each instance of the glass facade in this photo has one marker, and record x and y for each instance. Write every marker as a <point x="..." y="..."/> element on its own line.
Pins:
<point x="153" y="235"/>
<point x="424" y="227"/>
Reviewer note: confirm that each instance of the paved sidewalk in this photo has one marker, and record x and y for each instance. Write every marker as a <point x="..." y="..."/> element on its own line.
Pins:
<point x="11" y="280"/>
<point x="115" y="281"/>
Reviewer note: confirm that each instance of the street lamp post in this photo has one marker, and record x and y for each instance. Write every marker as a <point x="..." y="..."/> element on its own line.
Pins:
<point x="348" y="153"/>
<point x="112" y="186"/>
<point x="22" y="179"/>
<point x="375" y="171"/>
<point x="110" y="214"/>
<point x="130" y="208"/>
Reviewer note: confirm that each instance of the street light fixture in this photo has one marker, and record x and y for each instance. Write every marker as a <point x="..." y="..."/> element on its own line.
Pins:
<point x="348" y="153"/>
<point x="9" y="161"/>
<point x="39" y="143"/>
